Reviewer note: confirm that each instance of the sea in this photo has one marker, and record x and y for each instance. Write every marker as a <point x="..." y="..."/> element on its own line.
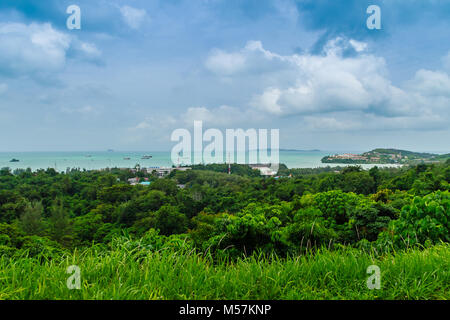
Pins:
<point x="61" y="161"/>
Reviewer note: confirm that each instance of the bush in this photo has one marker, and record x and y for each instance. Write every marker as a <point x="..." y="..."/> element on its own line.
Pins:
<point x="41" y="248"/>
<point x="426" y="219"/>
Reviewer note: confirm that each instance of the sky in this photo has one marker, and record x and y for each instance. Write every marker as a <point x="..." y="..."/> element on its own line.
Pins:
<point x="137" y="70"/>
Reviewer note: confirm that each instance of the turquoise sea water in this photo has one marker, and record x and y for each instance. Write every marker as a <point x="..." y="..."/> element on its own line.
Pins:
<point x="99" y="160"/>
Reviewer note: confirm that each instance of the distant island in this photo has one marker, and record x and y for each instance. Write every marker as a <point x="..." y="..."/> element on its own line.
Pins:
<point x="386" y="156"/>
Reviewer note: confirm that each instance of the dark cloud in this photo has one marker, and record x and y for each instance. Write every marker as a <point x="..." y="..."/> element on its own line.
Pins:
<point x="43" y="11"/>
<point x="336" y="17"/>
<point x="97" y="16"/>
<point x="348" y="18"/>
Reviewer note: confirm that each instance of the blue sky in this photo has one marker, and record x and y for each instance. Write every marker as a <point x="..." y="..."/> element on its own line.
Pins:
<point x="137" y="70"/>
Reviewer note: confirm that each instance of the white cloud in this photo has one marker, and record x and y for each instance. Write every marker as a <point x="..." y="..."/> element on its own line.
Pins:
<point x="357" y="121"/>
<point x="33" y="48"/>
<point x="328" y="83"/>
<point x="225" y="63"/>
<point x="268" y="101"/>
<point x="85" y="51"/>
<point x="337" y="90"/>
<point x="252" y="58"/>
<point x="142" y="125"/>
<point x="340" y="45"/>
<point x="37" y="50"/>
<point x="332" y="92"/>
<point x="133" y="17"/>
<point x="430" y="83"/>
<point x="90" y="50"/>
<point x="358" y="46"/>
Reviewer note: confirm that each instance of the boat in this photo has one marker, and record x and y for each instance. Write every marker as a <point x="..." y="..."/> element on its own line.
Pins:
<point x="146" y="157"/>
<point x="14" y="160"/>
<point x="127" y="158"/>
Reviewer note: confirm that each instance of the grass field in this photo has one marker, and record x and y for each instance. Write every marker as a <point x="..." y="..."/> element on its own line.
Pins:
<point x="129" y="272"/>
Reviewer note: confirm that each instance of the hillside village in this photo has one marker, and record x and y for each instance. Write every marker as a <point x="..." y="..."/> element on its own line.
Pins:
<point x="386" y="156"/>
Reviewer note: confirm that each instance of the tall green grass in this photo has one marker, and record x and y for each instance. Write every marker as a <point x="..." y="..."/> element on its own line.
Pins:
<point x="131" y="272"/>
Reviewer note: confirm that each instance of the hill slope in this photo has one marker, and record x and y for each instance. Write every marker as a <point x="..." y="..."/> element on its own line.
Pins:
<point x="386" y="156"/>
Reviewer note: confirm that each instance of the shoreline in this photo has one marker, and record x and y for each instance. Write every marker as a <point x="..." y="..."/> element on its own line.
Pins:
<point x="325" y="165"/>
<point x="61" y="161"/>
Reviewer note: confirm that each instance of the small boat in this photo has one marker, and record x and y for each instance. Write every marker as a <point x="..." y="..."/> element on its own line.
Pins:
<point x="14" y="160"/>
<point x="146" y="157"/>
<point x="127" y="158"/>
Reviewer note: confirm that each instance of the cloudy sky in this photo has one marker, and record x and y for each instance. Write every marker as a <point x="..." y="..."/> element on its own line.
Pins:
<point x="138" y="69"/>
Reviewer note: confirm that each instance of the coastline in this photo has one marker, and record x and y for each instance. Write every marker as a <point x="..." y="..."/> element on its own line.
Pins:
<point x="101" y="160"/>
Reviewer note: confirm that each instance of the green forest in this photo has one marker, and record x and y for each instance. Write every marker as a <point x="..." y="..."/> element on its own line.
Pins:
<point x="204" y="234"/>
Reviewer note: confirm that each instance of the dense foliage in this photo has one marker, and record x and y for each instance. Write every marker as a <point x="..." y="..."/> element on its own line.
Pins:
<point x="229" y="215"/>
<point x="201" y="233"/>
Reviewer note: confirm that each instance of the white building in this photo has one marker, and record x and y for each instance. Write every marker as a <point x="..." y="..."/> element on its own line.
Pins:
<point x="264" y="169"/>
<point x="161" y="172"/>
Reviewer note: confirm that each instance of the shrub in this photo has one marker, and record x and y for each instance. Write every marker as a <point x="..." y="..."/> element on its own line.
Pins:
<point x="426" y="219"/>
